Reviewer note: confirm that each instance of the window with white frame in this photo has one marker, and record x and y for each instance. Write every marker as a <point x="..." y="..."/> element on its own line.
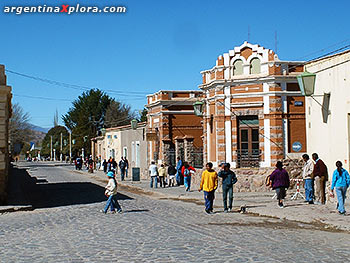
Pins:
<point x="255" y="67"/>
<point x="238" y="67"/>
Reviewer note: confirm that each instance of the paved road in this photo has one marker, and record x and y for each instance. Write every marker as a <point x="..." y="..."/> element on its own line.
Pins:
<point x="67" y="227"/>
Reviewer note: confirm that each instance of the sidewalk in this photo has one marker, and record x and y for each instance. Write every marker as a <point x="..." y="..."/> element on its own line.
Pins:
<point x="323" y="217"/>
<point x="17" y="199"/>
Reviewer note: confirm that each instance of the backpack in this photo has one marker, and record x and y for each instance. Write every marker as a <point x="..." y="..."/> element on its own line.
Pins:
<point x="186" y="172"/>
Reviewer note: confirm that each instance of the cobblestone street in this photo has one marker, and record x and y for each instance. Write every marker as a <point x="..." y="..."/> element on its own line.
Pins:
<point x="66" y="226"/>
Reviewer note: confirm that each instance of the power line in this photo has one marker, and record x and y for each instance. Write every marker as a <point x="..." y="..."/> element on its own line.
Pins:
<point x="323" y="49"/>
<point x="73" y="86"/>
<point x="40" y="98"/>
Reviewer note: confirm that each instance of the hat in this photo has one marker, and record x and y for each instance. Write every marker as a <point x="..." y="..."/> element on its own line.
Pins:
<point x="110" y="174"/>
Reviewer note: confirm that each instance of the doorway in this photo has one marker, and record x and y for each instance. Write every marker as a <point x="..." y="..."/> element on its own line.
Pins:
<point x="248" y="152"/>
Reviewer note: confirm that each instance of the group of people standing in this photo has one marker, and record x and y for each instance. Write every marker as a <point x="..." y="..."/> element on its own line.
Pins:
<point x="183" y="171"/>
<point x="111" y="165"/>
<point x="315" y="175"/>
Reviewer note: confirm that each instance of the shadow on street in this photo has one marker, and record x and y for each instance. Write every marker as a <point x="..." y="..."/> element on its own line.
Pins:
<point x="26" y="190"/>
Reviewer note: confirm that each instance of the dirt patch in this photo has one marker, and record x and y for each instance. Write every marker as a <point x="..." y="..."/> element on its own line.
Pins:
<point x="285" y="224"/>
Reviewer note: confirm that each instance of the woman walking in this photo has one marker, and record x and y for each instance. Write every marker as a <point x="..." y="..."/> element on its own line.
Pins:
<point x="280" y="181"/>
<point x="341" y="182"/>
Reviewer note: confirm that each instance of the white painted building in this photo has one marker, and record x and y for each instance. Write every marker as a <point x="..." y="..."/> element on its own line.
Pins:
<point x="329" y="134"/>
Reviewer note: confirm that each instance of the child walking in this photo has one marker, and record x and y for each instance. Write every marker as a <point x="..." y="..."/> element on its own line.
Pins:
<point x="111" y="193"/>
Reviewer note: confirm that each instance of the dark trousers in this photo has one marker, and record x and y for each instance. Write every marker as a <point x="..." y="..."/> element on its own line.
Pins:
<point x="162" y="181"/>
<point x="323" y="189"/>
<point x="227" y="189"/>
<point x="122" y="174"/>
<point x="281" y="193"/>
<point x="209" y="200"/>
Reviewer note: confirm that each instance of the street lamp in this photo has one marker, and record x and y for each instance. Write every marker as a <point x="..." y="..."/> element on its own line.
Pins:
<point x="306" y="82"/>
<point x="134" y="124"/>
<point x="198" y="108"/>
<point x="103" y="131"/>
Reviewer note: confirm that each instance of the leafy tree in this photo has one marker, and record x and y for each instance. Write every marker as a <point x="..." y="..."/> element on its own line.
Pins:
<point x="20" y="130"/>
<point x="55" y="132"/>
<point x="86" y="117"/>
<point x="89" y="113"/>
<point x="118" y="114"/>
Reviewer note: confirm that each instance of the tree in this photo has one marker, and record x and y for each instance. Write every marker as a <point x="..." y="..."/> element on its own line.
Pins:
<point x="92" y="111"/>
<point x="86" y="117"/>
<point x="118" y="114"/>
<point x="55" y="133"/>
<point x="20" y="130"/>
<point x="143" y="115"/>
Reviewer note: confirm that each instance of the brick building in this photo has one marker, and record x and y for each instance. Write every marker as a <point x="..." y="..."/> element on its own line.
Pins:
<point x="172" y="128"/>
<point x="254" y="113"/>
<point x="5" y="114"/>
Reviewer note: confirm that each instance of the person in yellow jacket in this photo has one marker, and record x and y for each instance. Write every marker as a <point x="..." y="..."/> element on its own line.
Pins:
<point x="209" y="183"/>
<point x="162" y="175"/>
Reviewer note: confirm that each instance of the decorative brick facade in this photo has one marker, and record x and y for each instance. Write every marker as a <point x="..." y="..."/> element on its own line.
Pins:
<point x="173" y="130"/>
<point x="5" y="114"/>
<point x="254" y="109"/>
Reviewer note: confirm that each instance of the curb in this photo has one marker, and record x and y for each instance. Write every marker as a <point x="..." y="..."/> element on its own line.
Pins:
<point x="10" y="209"/>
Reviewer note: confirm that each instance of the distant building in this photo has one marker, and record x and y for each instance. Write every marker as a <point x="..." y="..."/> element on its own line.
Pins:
<point x="5" y="114"/>
<point x="123" y="141"/>
<point x="173" y="130"/>
<point x="328" y="113"/>
<point x="254" y="114"/>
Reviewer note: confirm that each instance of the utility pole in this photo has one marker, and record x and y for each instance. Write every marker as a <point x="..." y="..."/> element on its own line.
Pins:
<point x="70" y="146"/>
<point x="51" y="149"/>
<point x="61" y="155"/>
<point x="248" y="34"/>
<point x="276" y="42"/>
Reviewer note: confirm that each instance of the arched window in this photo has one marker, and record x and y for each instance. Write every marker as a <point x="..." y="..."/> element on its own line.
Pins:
<point x="255" y="67"/>
<point x="238" y="67"/>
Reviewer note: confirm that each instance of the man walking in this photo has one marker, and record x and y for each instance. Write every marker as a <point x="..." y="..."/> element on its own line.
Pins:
<point x="308" y="178"/>
<point x="126" y="166"/>
<point x="228" y="180"/>
<point x="209" y="183"/>
<point x="122" y="166"/>
<point x="320" y="170"/>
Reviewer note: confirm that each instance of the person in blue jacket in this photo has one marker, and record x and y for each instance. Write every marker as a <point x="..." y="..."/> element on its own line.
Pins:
<point x="341" y="182"/>
<point x="178" y="169"/>
<point x="228" y="180"/>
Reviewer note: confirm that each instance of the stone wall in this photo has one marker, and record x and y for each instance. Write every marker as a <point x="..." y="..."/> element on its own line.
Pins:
<point x="5" y="114"/>
<point x="253" y="179"/>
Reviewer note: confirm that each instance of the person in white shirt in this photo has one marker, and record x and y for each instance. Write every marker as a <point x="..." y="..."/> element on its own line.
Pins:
<point x="153" y="170"/>
<point x="308" y="178"/>
<point x="111" y="193"/>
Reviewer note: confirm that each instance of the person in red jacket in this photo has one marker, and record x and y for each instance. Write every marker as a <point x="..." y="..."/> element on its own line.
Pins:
<point x="320" y="170"/>
<point x="187" y="170"/>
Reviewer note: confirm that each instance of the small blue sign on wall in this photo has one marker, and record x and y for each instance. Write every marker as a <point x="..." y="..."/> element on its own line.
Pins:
<point x="297" y="146"/>
<point x="298" y="103"/>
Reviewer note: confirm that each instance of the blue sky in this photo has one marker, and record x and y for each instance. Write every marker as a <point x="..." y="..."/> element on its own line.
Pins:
<point x="155" y="45"/>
